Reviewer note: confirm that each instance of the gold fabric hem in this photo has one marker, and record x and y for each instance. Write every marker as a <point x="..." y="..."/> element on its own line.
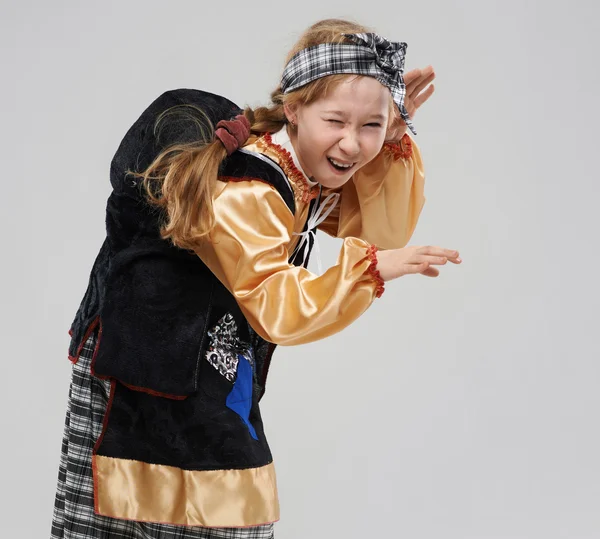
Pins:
<point x="134" y="490"/>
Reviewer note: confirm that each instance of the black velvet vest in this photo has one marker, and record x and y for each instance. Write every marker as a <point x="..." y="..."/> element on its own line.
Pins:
<point x="152" y="305"/>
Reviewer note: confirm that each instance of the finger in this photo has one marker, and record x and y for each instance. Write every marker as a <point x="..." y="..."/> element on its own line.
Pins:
<point x="435" y="250"/>
<point x="417" y="78"/>
<point x="431" y="250"/>
<point x="420" y="99"/>
<point x="431" y="272"/>
<point x="417" y="84"/>
<point x="415" y="268"/>
<point x="411" y="76"/>
<point x="416" y="89"/>
<point x="431" y="259"/>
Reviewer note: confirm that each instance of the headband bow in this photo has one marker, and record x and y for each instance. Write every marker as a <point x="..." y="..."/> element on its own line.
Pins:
<point x="369" y="54"/>
<point x="387" y="54"/>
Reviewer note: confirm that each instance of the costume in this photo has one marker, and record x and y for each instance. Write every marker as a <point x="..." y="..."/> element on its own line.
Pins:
<point x="181" y="342"/>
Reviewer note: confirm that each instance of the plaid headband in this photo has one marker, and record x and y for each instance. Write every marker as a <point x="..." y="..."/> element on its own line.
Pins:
<point x="370" y="54"/>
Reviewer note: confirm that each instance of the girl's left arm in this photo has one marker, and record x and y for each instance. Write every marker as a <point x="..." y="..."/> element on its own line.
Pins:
<point x="248" y="252"/>
<point x="382" y="202"/>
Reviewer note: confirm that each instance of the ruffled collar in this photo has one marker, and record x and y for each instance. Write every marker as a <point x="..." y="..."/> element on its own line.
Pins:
<point x="279" y="147"/>
<point x="282" y="138"/>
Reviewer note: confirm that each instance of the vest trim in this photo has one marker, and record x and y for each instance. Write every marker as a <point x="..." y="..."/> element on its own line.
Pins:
<point x="272" y="163"/>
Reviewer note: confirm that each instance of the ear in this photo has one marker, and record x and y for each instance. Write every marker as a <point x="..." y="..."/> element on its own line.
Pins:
<point x="290" y="112"/>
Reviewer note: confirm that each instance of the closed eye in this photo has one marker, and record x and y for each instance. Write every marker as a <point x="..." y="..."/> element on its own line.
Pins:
<point x="372" y="124"/>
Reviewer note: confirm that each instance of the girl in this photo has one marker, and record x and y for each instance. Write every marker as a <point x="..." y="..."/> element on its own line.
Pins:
<point x="203" y="271"/>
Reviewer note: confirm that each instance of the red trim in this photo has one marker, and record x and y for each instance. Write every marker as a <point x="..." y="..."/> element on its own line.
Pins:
<point x="134" y="388"/>
<point x="92" y="326"/>
<point x="74" y="360"/>
<point x="290" y="169"/>
<point x="401" y="149"/>
<point x="95" y="483"/>
<point x="373" y="271"/>
<point x="93" y="362"/>
<point x="111" y="398"/>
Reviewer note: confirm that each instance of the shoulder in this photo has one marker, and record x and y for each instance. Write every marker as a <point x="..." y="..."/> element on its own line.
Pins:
<point x="253" y="201"/>
<point x="246" y="165"/>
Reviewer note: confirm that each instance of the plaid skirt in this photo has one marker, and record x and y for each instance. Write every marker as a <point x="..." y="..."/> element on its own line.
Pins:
<point x="74" y="516"/>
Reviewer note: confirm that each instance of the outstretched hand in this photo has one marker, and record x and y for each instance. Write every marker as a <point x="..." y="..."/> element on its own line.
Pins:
<point x="418" y="90"/>
<point x="394" y="263"/>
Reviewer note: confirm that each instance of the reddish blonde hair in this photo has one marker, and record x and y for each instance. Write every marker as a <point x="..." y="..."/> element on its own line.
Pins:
<point x="183" y="177"/>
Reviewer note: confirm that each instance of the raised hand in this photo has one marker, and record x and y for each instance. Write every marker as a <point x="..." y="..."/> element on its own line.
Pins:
<point x="418" y="90"/>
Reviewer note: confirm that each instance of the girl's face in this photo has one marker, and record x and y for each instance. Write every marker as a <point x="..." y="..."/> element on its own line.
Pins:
<point x="338" y="134"/>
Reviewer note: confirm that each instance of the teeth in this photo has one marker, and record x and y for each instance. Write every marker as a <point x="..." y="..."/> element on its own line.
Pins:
<point x="337" y="163"/>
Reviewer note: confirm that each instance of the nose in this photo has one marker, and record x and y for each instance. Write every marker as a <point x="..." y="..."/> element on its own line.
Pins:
<point x="349" y="143"/>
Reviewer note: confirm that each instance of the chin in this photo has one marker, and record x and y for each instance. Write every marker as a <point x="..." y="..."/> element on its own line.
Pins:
<point x="332" y="183"/>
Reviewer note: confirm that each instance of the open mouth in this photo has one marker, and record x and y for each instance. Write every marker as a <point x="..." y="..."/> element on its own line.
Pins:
<point x="339" y="166"/>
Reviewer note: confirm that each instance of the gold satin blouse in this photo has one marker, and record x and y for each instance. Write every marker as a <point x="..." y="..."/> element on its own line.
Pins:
<point x="286" y="304"/>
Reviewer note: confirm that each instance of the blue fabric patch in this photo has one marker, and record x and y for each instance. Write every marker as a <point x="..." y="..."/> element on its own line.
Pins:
<point x="240" y="398"/>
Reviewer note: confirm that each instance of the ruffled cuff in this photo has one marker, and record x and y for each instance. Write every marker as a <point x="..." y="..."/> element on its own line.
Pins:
<point x="399" y="150"/>
<point x="374" y="272"/>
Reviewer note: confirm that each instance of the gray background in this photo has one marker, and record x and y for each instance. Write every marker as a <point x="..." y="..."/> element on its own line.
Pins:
<point x="459" y="407"/>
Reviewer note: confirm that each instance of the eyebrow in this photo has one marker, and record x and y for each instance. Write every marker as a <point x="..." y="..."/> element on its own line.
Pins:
<point x="340" y="113"/>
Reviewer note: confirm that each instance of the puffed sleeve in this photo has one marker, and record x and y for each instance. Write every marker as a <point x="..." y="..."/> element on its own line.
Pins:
<point x="285" y="304"/>
<point x="382" y="202"/>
